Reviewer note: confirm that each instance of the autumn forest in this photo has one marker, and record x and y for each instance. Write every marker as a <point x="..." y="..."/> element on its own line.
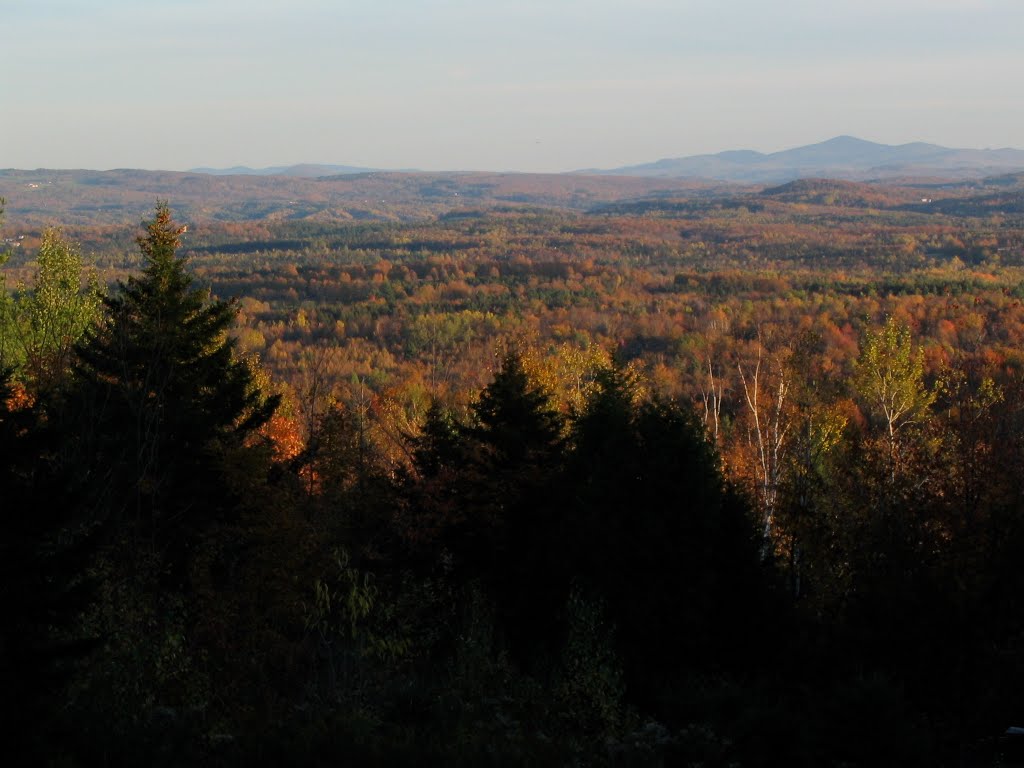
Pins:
<point x="704" y="476"/>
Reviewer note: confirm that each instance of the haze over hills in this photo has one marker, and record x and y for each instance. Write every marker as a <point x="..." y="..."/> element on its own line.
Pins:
<point x="843" y="157"/>
<point x="80" y="197"/>
<point x="890" y="176"/>
<point x="302" y="170"/>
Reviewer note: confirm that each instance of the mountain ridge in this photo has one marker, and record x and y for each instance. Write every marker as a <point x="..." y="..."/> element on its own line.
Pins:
<point x="842" y="157"/>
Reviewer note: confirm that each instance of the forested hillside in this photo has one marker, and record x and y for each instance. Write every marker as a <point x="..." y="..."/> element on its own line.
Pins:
<point x="679" y="479"/>
<point x="85" y="198"/>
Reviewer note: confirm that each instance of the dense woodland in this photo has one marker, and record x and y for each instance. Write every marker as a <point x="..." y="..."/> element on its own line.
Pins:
<point x="683" y="481"/>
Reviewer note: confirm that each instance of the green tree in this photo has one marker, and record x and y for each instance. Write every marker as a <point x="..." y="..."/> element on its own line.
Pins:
<point x="167" y="398"/>
<point x="6" y="360"/>
<point x="45" y="321"/>
<point x="889" y="380"/>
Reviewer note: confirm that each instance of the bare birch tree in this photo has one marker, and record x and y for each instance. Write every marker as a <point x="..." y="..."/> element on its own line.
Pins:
<point x="764" y="390"/>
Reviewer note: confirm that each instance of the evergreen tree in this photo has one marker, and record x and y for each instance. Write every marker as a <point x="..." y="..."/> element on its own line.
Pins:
<point x="438" y="445"/>
<point x="658" y="535"/>
<point x="430" y="509"/>
<point x="507" y="532"/>
<point x="165" y="397"/>
<point x="515" y="423"/>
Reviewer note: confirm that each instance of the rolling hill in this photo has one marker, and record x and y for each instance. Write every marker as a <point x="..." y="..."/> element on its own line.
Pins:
<point x="81" y="197"/>
<point x="844" y="157"/>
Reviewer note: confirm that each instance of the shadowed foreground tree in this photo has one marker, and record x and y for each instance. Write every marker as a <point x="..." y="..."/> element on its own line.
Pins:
<point x="160" y="451"/>
<point x="43" y="589"/>
<point x="166" y="397"/>
<point x="660" y="536"/>
<point x="44" y="547"/>
<point x="508" y="534"/>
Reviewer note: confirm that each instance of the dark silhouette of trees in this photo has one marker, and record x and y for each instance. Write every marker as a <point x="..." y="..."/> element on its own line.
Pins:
<point x="164" y="397"/>
<point x="497" y="501"/>
<point x="147" y="463"/>
<point x="37" y="580"/>
<point x="660" y="536"/>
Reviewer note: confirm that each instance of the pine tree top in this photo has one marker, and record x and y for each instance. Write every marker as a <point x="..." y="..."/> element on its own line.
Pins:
<point x="162" y="238"/>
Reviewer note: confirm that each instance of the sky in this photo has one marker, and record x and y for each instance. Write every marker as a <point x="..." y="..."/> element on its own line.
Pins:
<point x="520" y="85"/>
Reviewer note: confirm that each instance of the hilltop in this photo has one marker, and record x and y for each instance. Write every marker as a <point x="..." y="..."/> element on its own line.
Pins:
<point x="843" y="157"/>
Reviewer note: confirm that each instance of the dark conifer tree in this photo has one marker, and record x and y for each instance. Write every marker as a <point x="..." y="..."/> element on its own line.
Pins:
<point x="430" y="510"/>
<point x="439" y="444"/>
<point x="658" y="535"/>
<point x="515" y="423"/>
<point x="512" y="455"/>
<point x="164" y="396"/>
<point x="159" y="453"/>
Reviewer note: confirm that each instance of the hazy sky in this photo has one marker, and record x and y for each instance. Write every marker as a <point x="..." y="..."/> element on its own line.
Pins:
<point x="531" y="85"/>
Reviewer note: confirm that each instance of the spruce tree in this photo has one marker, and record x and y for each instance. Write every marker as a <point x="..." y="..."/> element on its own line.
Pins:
<point x="165" y="396"/>
<point x="661" y="539"/>
<point x="515" y="422"/>
<point x="514" y="452"/>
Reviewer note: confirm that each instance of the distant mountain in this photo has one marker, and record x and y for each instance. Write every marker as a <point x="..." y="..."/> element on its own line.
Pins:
<point x="302" y="171"/>
<point x="844" y="157"/>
